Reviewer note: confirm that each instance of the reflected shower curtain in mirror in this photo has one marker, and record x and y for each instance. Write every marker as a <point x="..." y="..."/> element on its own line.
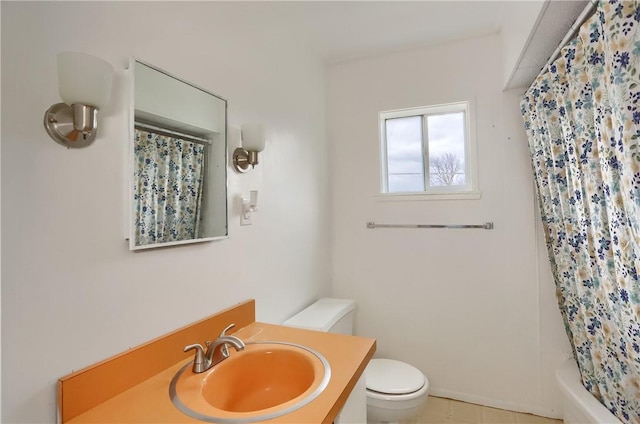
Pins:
<point x="168" y="188"/>
<point x="583" y="123"/>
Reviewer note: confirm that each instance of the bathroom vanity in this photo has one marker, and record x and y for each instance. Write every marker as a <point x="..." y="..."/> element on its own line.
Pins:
<point x="133" y="387"/>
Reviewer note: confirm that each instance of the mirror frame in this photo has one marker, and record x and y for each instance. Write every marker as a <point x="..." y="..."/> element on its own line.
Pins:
<point x="130" y="165"/>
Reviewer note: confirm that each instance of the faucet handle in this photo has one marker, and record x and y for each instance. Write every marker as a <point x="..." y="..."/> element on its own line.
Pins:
<point x="198" y="362"/>
<point x="225" y="348"/>
<point x="227" y="328"/>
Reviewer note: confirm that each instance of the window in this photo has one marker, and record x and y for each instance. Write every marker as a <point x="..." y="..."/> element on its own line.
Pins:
<point x="427" y="150"/>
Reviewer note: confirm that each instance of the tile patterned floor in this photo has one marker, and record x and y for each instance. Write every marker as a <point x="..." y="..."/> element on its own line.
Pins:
<point x="447" y="411"/>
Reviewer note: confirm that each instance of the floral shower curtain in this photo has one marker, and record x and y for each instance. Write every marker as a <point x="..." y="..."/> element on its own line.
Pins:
<point x="583" y="124"/>
<point x="168" y="189"/>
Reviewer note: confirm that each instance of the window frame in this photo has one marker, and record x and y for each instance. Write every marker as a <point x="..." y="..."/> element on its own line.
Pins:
<point x="468" y="191"/>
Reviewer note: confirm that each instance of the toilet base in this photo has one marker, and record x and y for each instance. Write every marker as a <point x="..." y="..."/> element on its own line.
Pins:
<point x="378" y="415"/>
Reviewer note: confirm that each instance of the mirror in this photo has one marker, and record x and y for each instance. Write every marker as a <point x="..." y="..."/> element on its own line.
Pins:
<point x="178" y="161"/>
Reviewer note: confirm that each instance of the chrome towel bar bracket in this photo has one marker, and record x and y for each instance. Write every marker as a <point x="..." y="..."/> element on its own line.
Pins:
<point x="485" y="226"/>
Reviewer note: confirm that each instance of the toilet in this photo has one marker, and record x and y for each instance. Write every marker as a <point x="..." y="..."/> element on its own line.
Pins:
<point x="395" y="390"/>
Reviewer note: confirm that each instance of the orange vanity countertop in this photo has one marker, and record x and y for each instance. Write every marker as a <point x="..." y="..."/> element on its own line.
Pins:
<point x="148" y="401"/>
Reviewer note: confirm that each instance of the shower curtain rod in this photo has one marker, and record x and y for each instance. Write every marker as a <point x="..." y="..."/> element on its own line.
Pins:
<point x="170" y="133"/>
<point x="582" y="17"/>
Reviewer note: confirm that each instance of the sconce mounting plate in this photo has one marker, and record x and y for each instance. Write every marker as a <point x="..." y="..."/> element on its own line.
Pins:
<point x="58" y="121"/>
<point x="240" y="160"/>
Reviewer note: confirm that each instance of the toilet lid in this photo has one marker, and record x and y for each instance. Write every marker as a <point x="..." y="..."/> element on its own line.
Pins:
<point x="393" y="377"/>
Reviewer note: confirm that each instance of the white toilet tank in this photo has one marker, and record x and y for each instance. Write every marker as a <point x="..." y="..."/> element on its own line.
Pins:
<point x="329" y="315"/>
<point x="336" y="316"/>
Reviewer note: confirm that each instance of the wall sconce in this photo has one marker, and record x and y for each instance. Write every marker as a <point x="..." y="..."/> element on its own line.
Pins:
<point x="84" y="85"/>
<point x="253" y="140"/>
<point x="248" y="206"/>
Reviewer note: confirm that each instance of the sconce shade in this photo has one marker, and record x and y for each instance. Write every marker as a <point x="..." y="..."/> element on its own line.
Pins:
<point x="84" y="79"/>
<point x="253" y="137"/>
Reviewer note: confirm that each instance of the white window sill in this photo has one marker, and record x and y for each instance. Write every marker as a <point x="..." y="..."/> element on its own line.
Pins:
<point x="404" y="197"/>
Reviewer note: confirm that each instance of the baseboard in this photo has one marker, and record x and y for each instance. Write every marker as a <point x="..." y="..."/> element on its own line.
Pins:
<point x="495" y="403"/>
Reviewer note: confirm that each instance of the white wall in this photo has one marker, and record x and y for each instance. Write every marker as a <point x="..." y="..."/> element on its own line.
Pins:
<point x="72" y="292"/>
<point x="465" y="306"/>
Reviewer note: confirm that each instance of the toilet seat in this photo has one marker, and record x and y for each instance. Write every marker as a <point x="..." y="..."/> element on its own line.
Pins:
<point x="391" y="379"/>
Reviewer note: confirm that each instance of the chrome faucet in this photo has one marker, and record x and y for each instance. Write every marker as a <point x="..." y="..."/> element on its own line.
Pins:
<point x="217" y="351"/>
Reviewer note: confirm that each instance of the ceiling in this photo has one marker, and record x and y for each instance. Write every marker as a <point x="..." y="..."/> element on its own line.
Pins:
<point x="344" y="30"/>
<point x="339" y="31"/>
